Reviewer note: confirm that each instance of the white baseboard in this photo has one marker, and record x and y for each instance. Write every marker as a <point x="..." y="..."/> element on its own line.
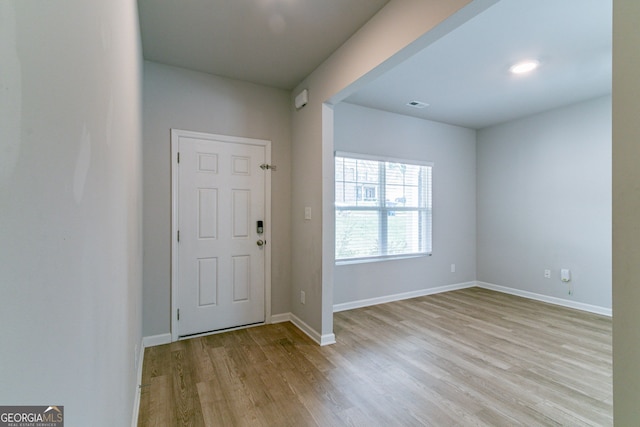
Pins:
<point x="312" y="333"/>
<point x="149" y="341"/>
<point x="161" y="339"/>
<point x="153" y="340"/>
<point x="397" y="297"/>
<point x="280" y="318"/>
<point x="308" y="330"/>
<point x="327" y="339"/>
<point x="136" y="401"/>
<point x="545" y="298"/>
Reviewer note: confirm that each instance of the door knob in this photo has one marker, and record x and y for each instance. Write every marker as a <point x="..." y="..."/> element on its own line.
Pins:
<point x="260" y="242"/>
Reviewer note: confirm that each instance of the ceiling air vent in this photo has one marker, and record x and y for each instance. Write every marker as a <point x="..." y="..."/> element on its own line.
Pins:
<point x="417" y="104"/>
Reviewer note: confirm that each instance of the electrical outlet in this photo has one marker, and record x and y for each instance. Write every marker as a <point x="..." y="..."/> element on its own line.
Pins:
<point x="547" y="274"/>
<point x="453" y="268"/>
<point x="302" y="297"/>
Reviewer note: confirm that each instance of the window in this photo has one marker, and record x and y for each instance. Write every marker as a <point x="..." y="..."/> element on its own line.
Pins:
<point x="383" y="207"/>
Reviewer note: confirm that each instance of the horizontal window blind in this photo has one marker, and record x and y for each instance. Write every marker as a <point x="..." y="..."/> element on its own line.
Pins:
<point x="383" y="207"/>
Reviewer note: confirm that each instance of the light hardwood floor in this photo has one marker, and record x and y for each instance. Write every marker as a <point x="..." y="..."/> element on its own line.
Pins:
<point x="463" y="358"/>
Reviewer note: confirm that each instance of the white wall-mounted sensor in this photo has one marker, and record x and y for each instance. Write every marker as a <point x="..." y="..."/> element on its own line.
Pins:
<point x="302" y="98"/>
<point x="565" y="275"/>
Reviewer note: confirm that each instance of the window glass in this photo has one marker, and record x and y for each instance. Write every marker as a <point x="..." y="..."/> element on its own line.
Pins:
<point x="383" y="208"/>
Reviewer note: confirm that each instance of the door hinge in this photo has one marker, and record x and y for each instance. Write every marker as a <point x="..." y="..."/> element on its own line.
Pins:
<point x="178" y="157"/>
<point x="265" y="166"/>
<point x="178" y="314"/>
<point x="178" y="235"/>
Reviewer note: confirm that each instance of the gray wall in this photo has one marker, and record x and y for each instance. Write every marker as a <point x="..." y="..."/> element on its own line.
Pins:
<point x="188" y="100"/>
<point x="626" y="205"/>
<point x="392" y="35"/>
<point x="70" y="207"/>
<point x="544" y="202"/>
<point x="452" y="149"/>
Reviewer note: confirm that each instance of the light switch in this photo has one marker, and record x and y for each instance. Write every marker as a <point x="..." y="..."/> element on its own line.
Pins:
<point x="307" y="212"/>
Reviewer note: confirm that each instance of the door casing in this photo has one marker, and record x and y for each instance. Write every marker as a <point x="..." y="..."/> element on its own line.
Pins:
<point x="175" y="137"/>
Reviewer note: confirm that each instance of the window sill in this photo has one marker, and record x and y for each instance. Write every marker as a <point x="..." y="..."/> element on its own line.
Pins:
<point x="379" y="259"/>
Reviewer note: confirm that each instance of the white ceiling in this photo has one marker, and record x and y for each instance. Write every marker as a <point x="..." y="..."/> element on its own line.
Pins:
<point x="270" y="42"/>
<point x="463" y="76"/>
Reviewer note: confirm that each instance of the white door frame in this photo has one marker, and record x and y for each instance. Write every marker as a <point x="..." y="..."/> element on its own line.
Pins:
<point x="175" y="137"/>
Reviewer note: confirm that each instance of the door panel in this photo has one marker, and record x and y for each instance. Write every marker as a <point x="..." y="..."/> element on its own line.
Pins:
<point x="220" y="195"/>
<point x="207" y="213"/>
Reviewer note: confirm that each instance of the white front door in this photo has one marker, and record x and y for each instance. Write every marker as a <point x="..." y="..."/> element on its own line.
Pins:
<point x="219" y="197"/>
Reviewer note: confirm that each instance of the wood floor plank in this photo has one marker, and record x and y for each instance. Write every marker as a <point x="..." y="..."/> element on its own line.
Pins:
<point x="472" y="357"/>
<point x="229" y="391"/>
<point x="187" y="405"/>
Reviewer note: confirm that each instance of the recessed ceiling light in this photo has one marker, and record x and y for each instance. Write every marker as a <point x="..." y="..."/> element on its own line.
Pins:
<point x="524" y="66"/>
<point x="417" y="104"/>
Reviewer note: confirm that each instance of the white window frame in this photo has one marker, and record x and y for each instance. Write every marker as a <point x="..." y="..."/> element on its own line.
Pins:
<point x="383" y="210"/>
